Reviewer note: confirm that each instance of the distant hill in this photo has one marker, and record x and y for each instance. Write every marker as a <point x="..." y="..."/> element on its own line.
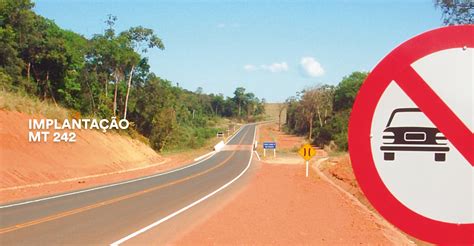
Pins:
<point x="272" y="111"/>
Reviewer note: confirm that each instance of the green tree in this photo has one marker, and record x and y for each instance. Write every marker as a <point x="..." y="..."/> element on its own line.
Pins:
<point x="45" y="61"/>
<point x="322" y="113"/>
<point x="239" y="98"/>
<point x="346" y="91"/>
<point x="16" y="31"/>
<point x="138" y="39"/>
<point x="217" y="104"/>
<point x="10" y="64"/>
<point x="456" y="12"/>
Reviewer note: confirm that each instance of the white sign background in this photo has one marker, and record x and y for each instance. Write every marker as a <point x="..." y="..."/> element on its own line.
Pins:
<point x="442" y="191"/>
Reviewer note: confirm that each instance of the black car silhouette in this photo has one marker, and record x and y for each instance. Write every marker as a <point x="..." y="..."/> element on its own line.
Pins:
<point x="408" y="129"/>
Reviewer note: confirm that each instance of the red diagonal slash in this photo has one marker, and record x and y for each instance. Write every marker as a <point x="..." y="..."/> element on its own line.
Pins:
<point x="438" y="112"/>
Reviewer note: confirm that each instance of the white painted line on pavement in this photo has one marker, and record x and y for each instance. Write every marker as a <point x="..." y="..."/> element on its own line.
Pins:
<point x="156" y="223"/>
<point x="235" y="133"/>
<point x="257" y="155"/>
<point x="203" y="156"/>
<point x="111" y="185"/>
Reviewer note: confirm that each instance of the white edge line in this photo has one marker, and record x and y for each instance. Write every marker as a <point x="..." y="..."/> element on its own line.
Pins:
<point x="258" y="157"/>
<point x="213" y="152"/>
<point x="156" y="223"/>
<point x="203" y="156"/>
<point x="116" y="184"/>
<point x="235" y="134"/>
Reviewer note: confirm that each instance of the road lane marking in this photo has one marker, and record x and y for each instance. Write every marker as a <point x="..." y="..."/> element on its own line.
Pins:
<point x="158" y="222"/>
<point x="235" y="134"/>
<point x="258" y="157"/>
<point x="213" y="152"/>
<point x="115" y="184"/>
<point x="204" y="156"/>
<point x="114" y="200"/>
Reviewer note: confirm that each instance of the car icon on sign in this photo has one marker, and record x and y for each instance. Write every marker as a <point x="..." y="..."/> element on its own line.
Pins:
<point x="409" y="130"/>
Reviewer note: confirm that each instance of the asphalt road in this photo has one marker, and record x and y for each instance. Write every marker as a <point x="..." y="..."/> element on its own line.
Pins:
<point x="120" y="212"/>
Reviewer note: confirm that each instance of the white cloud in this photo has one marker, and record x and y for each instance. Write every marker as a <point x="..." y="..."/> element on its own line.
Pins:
<point x="311" y="67"/>
<point x="273" y="68"/>
<point x="250" y="68"/>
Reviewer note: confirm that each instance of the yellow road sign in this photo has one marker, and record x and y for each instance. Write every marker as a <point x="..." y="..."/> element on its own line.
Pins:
<point x="307" y="152"/>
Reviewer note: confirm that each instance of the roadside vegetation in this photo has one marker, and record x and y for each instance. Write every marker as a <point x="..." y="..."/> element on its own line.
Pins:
<point x="31" y="105"/>
<point x="322" y="112"/>
<point x="107" y="75"/>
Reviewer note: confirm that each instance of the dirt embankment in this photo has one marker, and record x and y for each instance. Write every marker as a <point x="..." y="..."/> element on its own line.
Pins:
<point x="340" y="170"/>
<point x="36" y="169"/>
<point x="272" y="111"/>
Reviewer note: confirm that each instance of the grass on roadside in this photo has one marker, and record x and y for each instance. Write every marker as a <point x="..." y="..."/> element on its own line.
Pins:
<point x="23" y="103"/>
<point x="31" y="105"/>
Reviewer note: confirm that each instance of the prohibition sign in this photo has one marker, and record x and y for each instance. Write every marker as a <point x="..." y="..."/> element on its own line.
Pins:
<point x="397" y="67"/>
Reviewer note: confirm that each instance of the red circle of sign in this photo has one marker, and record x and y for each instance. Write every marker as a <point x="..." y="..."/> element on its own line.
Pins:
<point x="359" y="136"/>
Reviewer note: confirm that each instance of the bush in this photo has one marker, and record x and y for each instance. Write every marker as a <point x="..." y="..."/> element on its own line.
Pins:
<point x="322" y="136"/>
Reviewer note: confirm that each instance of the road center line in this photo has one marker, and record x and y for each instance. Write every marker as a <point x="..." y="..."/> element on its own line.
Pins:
<point x="115" y="184"/>
<point x="114" y="200"/>
<point x="158" y="222"/>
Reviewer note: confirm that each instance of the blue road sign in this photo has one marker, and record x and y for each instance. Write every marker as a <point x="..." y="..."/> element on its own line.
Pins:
<point x="269" y="145"/>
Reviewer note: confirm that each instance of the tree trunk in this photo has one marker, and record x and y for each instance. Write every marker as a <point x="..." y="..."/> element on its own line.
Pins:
<point x="28" y="68"/>
<point x="325" y="116"/>
<point x="92" y="97"/>
<point x="279" y="121"/>
<point x="115" y="94"/>
<point x="128" y="92"/>
<point x="311" y="127"/>
<point x="50" y="89"/>
<point x="319" y="118"/>
<point x="240" y="108"/>
<point x="45" y="85"/>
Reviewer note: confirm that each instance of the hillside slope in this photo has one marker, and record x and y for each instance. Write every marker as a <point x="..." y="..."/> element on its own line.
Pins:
<point x="272" y="110"/>
<point x="24" y="163"/>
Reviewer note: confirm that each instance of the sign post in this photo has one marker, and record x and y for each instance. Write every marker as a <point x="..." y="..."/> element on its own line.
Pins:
<point x="411" y="140"/>
<point x="269" y="145"/>
<point x="307" y="168"/>
<point x="307" y="152"/>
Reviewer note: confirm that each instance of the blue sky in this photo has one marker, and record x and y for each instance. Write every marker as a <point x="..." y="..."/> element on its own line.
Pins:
<point x="272" y="48"/>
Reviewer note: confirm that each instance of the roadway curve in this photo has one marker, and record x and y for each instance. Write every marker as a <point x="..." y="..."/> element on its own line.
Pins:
<point x="116" y="213"/>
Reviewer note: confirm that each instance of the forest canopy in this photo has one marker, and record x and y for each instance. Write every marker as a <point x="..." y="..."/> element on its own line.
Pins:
<point x="109" y="75"/>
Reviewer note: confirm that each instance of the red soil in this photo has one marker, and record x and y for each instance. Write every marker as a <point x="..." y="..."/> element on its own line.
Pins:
<point x="340" y="169"/>
<point x="280" y="206"/>
<point x="269" y="132"/>
<point x="36" y="169"/>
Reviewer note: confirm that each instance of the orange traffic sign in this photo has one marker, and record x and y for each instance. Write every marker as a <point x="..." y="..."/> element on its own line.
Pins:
<point x="307" y="152"/>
